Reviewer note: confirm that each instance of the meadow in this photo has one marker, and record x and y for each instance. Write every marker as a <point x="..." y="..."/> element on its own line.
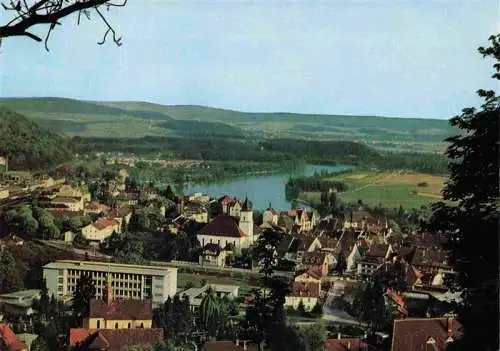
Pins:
<point x="390" y="189"/>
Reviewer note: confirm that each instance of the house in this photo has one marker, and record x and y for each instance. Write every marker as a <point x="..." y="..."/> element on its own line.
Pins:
<point x="95" y="207"/>
<point x="212" y="255"/>
<point x="303" y="219"/>
<point x="225" y="202"/>
<point x="121" y="214"/>
<point x="271" y="216"/>
<point x="356" y="255"/>
<point x="69" y="202"/>
<point x="307" y="293"/>
<point x="19" y="303"/>
<point x="376" y="255"/>
<point x="319" y="259"/>
<point x="306" y="243"/>
<point x="198" y="198"/>
<point x="312" y="276"/>
<point x="63" y="212"/>
<point x="358" y="219"/>
<point x="195" y="295"/>
<point x="223" y="345"/>
<point x="4" y="192"/>
<point x="196" y="212"/>
<point x="224" y="230"/>
<point x="430" y="259"/>
<point x="67" y="190"/>
<point x="412" y="334"/>
<point x="286" y="223"/>
<point x="127" y="199"/>
<point x="397" y="301"/>
<point x="101" y="229"/>
<point x="234" y="208"/>
<point x="114" y="339"/>
<point x="346" y="344"/>
<point x="10" y="340"/>
<point x="109" y="313"/>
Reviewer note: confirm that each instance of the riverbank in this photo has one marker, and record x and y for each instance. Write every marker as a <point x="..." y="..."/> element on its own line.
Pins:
<point x="389" y="189"/>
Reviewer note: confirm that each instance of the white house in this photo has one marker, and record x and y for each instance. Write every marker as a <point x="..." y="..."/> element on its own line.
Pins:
<point x="308" y="293"/>
<point x="101" y="229"/>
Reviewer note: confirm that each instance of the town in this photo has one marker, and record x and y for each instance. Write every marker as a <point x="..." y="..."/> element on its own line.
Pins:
<point x="137" y="265"/>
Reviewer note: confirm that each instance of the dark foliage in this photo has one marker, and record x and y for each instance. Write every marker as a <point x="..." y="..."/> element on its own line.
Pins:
<point x="27" y="146"/>
<point x="472" y="222"/>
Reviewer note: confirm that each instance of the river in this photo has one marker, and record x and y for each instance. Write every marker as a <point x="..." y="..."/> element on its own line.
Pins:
<point x="261" y="190"/>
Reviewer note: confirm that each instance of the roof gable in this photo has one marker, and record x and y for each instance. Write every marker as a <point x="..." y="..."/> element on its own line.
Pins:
<point x="224" y="226"/>
<point x="121" y="309"/>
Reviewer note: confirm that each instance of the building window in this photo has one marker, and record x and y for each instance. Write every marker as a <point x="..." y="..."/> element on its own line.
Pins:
<point x="142" y="325"/>
<point x="129" y="325"/>
<point x="116" y="325"/>
<point x="98" y="324"/>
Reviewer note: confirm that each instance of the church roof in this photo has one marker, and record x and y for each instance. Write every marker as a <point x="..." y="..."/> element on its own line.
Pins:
<point x="224" y="226"/>
<point x="247" y="206"/>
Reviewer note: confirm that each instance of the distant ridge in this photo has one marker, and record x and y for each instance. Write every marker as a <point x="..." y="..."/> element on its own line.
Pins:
<point x="131" y="119"/>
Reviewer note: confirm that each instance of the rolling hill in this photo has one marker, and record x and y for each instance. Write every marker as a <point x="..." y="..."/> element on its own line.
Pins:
<point x="28" y="146"/>
<point x="139" y="119"/>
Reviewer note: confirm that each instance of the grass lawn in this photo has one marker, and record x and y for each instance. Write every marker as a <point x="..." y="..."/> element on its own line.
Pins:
<point x="391" y="189"/>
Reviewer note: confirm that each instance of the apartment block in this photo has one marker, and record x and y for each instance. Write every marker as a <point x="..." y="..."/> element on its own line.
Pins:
<point x="128" y="281"/>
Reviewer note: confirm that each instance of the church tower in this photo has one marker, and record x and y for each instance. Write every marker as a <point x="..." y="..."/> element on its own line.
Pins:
<point x="246" y="218"/>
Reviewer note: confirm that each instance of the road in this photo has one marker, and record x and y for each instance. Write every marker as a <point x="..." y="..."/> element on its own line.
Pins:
<point x="332" y="314"/>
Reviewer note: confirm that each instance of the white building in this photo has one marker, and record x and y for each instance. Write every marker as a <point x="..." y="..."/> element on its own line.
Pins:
<point x="101" y="229"/>
<point x="129" y="281"/>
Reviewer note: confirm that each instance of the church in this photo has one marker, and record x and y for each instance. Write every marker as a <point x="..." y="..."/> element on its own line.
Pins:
<point x="233" y="229"/>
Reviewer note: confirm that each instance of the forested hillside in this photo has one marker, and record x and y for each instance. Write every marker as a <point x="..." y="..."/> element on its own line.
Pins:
<point x="27" y="145"/>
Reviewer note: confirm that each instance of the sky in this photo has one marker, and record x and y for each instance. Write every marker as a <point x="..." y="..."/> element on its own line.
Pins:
<point x="388" y="58"/>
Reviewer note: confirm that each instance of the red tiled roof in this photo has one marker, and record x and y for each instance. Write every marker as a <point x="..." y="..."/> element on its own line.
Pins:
<point x="121" y="309"/>
<point x="222" y="226"/>
<point x="226" y="200"/>
<point x="115" y="339"/>
<point x="412" y="334"/>
<point x="345" y="344"/>
<point x="305" y="289"/>
<point x="65" y="213"/>
<point x="228" y="346"/>
<point x="103" y="222"/>
<point x="315" y="272"/>
<point x="328" y="242"/>
<point x="10" y="339"/>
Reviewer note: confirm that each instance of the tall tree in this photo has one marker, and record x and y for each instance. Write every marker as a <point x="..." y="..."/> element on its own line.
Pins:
<point x="209" y="311"/>
<point x="472" y="220"/>
<point x="84" y="292"/>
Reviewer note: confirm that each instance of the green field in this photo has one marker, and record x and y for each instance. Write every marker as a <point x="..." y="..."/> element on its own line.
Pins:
<point x="137" y="119"/>
<point x="389" y="189"/>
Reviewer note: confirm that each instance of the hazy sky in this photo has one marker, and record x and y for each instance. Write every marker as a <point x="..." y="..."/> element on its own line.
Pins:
<point x="394" y="58"/>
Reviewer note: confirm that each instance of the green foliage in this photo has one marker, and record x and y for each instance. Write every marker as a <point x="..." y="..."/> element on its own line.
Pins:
<point x="295" y="186"/>
<point x="84" y="292"/>
<point x="472" y="223"/>
<point x="9" y="275"/>
<point x="314" y="337"/>
<point x="301" y="308"/>
<point x="209" y="311"/>
<point x="27" y="146"/>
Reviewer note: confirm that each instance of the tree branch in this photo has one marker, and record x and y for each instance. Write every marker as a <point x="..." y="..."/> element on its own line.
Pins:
<point x="29" y="16"/>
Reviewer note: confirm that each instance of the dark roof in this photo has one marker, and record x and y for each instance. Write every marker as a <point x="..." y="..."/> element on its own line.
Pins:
<point x="328" y="242"/>
<point x="352" y="344"/>
<point x="65" y="213"/>
<point x="247" y="206"/>
<point x="285" y="244"/>
<point x="286" y="222"/>
<point x="347" y="241"/>
<point x="211" y="249"/>
<point x="222" y="226"/>
<point x="314" y="258"/>
<point x="377" y="250"/>
<point x="121" y="309"/>
<point x="424" y="333"/>
<point x="430" y="258"/>
<point x="114" y="339"/>
<point x="228" y="346"/>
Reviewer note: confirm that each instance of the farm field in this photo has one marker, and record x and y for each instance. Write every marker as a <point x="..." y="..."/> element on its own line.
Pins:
<point x="391" y="189"/>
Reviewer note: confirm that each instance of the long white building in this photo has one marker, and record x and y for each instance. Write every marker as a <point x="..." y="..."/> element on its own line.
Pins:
<point x="129" y="281"/>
